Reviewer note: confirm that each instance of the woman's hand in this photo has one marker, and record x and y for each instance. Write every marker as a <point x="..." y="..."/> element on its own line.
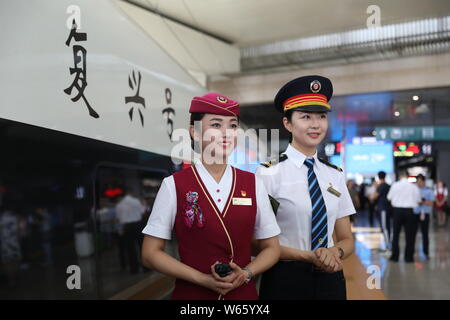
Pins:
<point x="241" y="275"/>
<point x="211" y="282"/>
<point x="327" y="260"/>
<point x="236" y="278"/>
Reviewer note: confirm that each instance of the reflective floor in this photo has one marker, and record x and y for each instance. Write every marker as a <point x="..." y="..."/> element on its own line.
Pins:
<point x="423" y="279"/>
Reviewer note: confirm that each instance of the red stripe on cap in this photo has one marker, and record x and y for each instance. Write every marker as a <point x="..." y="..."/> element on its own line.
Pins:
<point x="310" y="97"/>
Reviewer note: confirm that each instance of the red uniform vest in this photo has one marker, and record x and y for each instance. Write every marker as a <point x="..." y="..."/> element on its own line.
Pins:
<point x="206" y="235"/>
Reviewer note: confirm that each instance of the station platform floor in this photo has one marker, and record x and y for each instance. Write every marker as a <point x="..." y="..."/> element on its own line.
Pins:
<point x="426" y="279"/>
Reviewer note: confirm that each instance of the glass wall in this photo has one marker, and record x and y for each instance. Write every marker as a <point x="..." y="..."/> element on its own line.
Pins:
<point x="59" y="235"/>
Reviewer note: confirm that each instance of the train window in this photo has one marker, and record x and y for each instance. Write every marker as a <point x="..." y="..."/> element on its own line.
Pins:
<point x="59" y="234"/>
<point x="125" y="197"/>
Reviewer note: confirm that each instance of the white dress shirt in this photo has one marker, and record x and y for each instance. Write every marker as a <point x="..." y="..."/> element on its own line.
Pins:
<point x="287" y="182"/>
<point x="404" y="194"/>
<point x="162" y="218"/>
<point x="129" y="210"/>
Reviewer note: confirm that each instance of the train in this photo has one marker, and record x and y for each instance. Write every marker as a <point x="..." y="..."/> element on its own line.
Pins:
<point x="88" y="107"/>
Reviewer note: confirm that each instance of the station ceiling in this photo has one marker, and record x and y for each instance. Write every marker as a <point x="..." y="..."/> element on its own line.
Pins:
<point x="254" y="22"/>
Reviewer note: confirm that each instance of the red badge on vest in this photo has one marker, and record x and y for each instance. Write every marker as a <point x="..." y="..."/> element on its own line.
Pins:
<point x="192" y="211"/>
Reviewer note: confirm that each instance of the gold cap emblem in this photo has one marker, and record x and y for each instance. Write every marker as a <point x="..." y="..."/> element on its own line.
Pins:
<point x="315" y="86"/>
<point x="222" y="99"/>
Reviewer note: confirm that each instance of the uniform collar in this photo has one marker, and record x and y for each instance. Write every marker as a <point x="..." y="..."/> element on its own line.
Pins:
<point x="298" y="157"/>
<point x="209" y="180"/>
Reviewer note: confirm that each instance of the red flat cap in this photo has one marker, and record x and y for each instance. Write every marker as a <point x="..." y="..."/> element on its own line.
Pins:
<point x="214" y="103"/>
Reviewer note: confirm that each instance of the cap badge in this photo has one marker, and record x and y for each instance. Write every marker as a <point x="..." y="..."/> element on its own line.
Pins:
<point x="315" y="86"/>
<point x="222" y="99"/>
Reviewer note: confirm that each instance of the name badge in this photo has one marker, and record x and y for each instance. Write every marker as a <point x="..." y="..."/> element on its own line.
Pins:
<point x="333" y="191"/>
<point x="242" y="201"/>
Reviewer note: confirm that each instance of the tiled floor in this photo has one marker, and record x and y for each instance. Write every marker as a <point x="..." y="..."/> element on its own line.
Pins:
<point x="424" y="279"/>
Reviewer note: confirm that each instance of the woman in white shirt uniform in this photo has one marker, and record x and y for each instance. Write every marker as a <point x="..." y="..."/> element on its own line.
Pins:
<point x="314" y="203"/>
<point x="216" y="211"/>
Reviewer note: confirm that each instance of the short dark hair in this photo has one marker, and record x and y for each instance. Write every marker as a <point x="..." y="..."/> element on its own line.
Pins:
<point x="382" y="175"/>
<point x="420" y="177"/>
<point x="288" y="113"/>
<point x="403" y="173"/>
<point x="195" y="117"/>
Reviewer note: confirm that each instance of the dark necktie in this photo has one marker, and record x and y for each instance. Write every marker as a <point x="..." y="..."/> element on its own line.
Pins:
<point x="319" y="223"/>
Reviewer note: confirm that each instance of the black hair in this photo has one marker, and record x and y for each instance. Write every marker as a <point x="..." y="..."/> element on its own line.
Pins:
<point x="195" y="117"/>
<point x="288" y="114"/>
<point x="382" y="175"/>
<point x="402" y="173"/>
<point x="421" y="177"/>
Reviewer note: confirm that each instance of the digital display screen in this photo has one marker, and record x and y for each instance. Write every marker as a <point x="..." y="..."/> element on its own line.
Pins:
<point x="411" y="149"/>
<point x="369" y="159"/>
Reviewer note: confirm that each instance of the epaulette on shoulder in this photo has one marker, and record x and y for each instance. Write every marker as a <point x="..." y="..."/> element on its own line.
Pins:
<point x="275" y="161"/>
<point x="330" y="164"/>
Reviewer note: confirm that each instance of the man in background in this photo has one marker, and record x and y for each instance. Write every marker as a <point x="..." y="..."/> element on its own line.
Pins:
<point x="129" y="212"/>
<point x="370" y="196"/>
<point x="404" y="197"/>
<point x="423" y="212"/>
<point x="383" y="209"/>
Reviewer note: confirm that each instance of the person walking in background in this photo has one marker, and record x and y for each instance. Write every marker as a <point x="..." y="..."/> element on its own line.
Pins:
<point x="355" y="198"/>
<point x="10" y="251"/>
<point x="44" y="222"/>
<point x="370" y="196"/>
<point x="423" y="212"/>
<point x="362" y="196"/>
<point x="383" y="208"/>
<point x="404" y="197"/>
<point x="441" y="196"/>
<point x="129" y="212"/>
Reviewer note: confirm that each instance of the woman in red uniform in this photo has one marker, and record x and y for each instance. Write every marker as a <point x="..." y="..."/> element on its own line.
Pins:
<point x="216" y="211"/>
<point x="441" y="195"/>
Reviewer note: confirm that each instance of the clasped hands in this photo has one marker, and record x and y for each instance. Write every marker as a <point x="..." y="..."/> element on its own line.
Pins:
<point x="223" y="285"/>
<point x="326" y="259"/>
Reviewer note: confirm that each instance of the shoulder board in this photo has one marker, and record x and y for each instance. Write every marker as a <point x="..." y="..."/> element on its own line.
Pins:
<point x="330" y="164"/>
<point x="275" y="161"/>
